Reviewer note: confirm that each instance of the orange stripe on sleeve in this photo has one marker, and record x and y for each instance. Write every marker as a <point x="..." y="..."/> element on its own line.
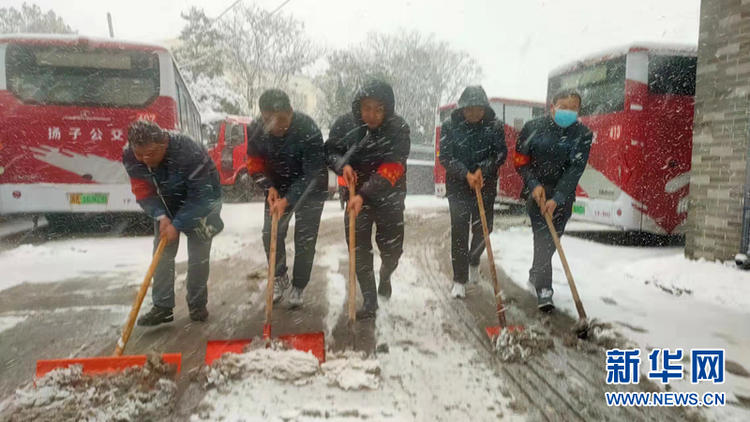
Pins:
<point x="391" y="172"/>
<point x="520" y="160"/>
<point x="255" y="165"/>
<point x="142" y="189"/>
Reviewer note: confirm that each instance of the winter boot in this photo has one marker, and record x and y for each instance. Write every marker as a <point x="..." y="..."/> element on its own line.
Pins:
<point x="369" y="307"/>
<point x="156" y="316"/>
<point x="199" y="314"/>
<point x="474" y="275"/>
<point x="296" y="300"/>
<point x="459" y="290"/>
<point x="544" y="298"/>
<point x="280" y="284"/>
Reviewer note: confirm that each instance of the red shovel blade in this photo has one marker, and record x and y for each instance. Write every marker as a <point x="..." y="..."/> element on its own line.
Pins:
<point x="309" y="342"/>
<point x="494" y="331"/>
<point x="104" y="364"/>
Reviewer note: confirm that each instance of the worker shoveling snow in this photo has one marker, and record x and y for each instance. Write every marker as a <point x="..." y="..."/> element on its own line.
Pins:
<point x="521" y="345"/>
<point x="275" y="360"/>
<point x="68" y="395"/>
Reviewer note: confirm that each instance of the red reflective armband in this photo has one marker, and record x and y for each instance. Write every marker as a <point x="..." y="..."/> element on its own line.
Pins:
<point x="255" y="165"/>
<point x="520" y="160"/>
<point x="142" y="189"/>
<point x="391" y="172"/>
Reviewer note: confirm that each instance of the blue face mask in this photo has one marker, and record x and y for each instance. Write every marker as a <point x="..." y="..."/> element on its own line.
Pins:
<point x="565" y="118"/>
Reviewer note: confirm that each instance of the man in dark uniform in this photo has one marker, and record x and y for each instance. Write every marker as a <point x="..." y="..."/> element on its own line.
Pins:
<point x="551" y="155"/>
<point x="286" y="158"/>
<point x="369" y="148"/>
<point x="176" y="183"/>
<point x="472" y="149"/>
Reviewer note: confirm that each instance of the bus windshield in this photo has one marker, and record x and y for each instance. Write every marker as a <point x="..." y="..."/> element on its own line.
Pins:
<point x="602" y="86"/>
<point x="82" y="77"/>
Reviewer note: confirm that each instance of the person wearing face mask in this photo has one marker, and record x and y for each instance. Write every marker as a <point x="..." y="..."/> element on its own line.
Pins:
<point x="286" y="158"/>
<point x="176" y="183"/>
<point x="369" y="148"/>
<point x="551" y="155"/>
<point x="472" y="149"/>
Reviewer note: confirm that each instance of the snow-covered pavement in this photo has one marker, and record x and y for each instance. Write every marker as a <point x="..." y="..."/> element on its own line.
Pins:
<point x="658" y="298"/>
<point x="435" y="361"/>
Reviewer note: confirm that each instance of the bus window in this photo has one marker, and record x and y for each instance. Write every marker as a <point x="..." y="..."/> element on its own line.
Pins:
<point x="57" y="75"/>
<point x="602" y="86"/>
<point x="672" y="75"/>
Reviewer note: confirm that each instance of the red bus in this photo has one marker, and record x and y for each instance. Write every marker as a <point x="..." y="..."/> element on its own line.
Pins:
<point x="515" y="113"/>
<point x="65" y="106"/>
<point x="638" y="101"/>
<point x="226" y="140"/>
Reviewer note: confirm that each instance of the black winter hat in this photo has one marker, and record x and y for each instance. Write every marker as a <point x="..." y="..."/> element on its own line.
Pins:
<point x="274" y="100"/>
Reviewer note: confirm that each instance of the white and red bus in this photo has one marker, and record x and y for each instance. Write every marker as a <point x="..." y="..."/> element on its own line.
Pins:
<point x="65" y="106"/>
<point x="639" y="103"/>
<point x="515" y="113"/>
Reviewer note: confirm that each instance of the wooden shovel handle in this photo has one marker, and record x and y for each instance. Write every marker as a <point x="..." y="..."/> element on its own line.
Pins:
<point x="566" y="267"/>
<point x="271" y="275"/>
<point x="352" y="260"/>
<point x="499" y="306"/>
<point x="139" y="298"/>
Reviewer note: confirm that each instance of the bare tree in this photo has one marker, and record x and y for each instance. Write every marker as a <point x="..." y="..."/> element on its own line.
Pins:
<point x="248" y="50"/>
<point x="264" y="50"/>
<point x="423" y="71"/>
<point x="31" y="19"/>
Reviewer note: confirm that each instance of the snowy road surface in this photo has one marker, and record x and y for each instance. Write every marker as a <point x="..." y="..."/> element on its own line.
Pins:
<point x="69" y="298"/>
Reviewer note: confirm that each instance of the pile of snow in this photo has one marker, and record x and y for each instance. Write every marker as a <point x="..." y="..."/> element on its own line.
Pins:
<point x="276" y="361"/>
<point x="273" y="362"/>
<point x="521" y="345"/>
<point x="351" y="371"/>
<point x="69" y="395"/>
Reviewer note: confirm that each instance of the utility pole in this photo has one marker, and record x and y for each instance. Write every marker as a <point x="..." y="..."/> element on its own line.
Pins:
<point x="109" y="21"/>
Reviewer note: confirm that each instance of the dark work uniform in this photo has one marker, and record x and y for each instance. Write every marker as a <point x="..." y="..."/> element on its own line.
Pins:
<point x="379" y="158"/>
<point x="553" y="157"/>
<point x="464" y="148"/>
<point x="293" y="165"/>
<point x="185" y="187"/>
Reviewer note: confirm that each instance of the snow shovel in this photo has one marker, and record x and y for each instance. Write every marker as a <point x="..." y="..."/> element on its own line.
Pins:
<point x="582" y="327"/>
<point x="493" y="331"/>
<point x="352" y="264"/>
<point x="308" y="342"/>
<point x="117" y="362"/>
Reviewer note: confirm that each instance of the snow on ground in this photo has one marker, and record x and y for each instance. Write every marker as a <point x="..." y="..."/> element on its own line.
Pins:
<point x="18" y="225"/>
<point x="658" y="298"/>
<point x="8" y="322"/>
<point x="426" y="375"/>
<point x="124" y="260"/>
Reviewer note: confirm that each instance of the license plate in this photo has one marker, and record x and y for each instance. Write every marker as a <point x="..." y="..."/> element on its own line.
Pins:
<point x="88" y="198"/>
<point x="579" y="209"/>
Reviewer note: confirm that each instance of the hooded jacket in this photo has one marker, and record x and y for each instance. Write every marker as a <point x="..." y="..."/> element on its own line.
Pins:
<point x="378" y="156"/>
<point x="293" y="164"/>
<point x="184" y="187"/>
<point x="466" y="147"/>
<point x="553" y="157"/>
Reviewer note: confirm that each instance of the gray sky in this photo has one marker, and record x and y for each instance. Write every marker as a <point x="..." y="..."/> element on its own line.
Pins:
<point x="516" y="42"/>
